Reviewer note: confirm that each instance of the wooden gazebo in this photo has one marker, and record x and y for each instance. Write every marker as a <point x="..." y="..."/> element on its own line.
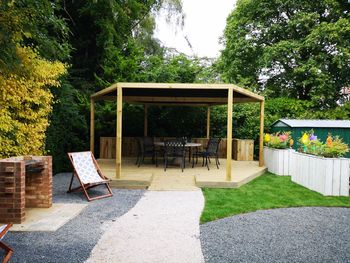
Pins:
<point x="173" y="94"/>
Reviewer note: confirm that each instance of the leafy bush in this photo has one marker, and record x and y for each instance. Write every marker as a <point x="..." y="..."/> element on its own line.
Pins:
<point x="333" y="148"/>
<point x="278" y="140"/>
<point x="26" y="102"/>
<point x="309" y="143"/>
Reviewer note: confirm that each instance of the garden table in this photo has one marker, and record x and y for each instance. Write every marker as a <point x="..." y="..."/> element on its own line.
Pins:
<point x="188" y="145"/>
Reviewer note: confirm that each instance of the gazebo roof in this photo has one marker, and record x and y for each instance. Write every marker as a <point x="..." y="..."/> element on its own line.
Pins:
<point x="177" y="93"/>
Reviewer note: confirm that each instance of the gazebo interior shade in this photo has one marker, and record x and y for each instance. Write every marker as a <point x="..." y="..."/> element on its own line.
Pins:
<point x="177" y="93"/>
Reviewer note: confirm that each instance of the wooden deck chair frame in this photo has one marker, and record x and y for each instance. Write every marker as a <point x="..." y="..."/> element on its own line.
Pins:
<point x="8" y="250"/>
<point x="85" y="187"/>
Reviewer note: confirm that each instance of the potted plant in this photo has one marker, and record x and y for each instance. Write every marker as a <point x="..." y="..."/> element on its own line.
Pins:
<point x="277" y="152"/>
<point x="320" y="167"/>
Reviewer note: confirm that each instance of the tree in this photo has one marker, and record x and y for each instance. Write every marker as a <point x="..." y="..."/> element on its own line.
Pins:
<point x="28" y="29"/>
<point x="32" y="24"/>
<point x="298" y="49"/>
<point x="26" y="104"/>
<point x="111" y="40"/>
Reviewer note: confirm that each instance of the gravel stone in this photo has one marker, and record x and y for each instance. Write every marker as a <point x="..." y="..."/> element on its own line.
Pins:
<point x="74" y="241"/>
<point x="308" y="234"/>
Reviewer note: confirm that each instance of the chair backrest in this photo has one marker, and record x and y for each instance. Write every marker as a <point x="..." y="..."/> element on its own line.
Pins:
<point x="185" y="139"/>
<point x="3" y="230"/>
<point x="148" y="144"/>
<point x="174" y="147"/>
<point x="85" y="167"/>
<point x="213" y="145"/>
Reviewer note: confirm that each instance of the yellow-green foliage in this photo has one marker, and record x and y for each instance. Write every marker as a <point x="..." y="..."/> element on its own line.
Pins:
<point x="25" y="103"/>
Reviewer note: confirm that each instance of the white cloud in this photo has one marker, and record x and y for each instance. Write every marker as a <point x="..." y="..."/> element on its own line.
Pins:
<point x="205" y="22"/>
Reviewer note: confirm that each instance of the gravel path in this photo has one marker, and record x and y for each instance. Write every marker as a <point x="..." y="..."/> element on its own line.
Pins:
<point x="310" y="234"/>
<point x="162" y="227"/>
<point x="74" y="241"/>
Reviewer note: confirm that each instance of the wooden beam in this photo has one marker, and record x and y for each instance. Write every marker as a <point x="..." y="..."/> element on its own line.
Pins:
<point x="235" y="88"/>
<point x="261" y="137"/>
<point x="179" y="104"/>
<point x="105" y="91"/>
<point x="112" y="88"/>
<point x="247" y="93"/>
<point x="119" y="132"/>
<point x="140" y="85"/>
<point x="165" y="100"/>
<point x="174" y="99"/>
<point x="92" y="126"/>
<point x="208" y="122"/>
<point x="145" y="120"/>
<point x="229" y="135"/>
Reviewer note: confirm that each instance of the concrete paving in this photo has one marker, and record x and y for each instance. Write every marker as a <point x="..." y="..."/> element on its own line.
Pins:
<point x="48" y="219"/>
<point x="162" y="227"/>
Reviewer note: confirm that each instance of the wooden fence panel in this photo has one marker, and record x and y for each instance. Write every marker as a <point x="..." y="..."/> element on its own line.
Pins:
<point x="129" y="147"/>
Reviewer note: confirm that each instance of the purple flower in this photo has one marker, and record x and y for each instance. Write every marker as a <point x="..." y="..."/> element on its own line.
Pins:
<point x="313" y="137"/>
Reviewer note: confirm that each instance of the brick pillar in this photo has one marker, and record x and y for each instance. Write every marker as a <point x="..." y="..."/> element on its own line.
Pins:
<point x="12" y="191"/>
<point x="38" y="189"/>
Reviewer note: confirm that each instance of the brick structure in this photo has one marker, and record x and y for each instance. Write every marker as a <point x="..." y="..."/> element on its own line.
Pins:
<point x="19" y="189"/>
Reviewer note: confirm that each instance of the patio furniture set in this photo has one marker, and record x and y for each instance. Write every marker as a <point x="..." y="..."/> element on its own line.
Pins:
<point x="177" y="149"/>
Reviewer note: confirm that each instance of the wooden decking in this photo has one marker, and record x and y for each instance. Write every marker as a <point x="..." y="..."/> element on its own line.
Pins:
<point x="155" y="178"/>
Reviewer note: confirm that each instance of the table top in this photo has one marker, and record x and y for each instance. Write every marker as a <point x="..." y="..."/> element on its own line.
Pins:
<point x="188" y="144"/>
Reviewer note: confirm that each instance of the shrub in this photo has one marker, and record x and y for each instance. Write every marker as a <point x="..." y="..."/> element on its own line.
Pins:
<point x="278" y="140"/>
<point x="309" y="143"/>
<point x="333" y="148"/>
<point x="26" y="102"/>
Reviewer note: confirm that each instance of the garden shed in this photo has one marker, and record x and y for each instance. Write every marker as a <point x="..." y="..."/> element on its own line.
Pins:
<point x="321" y="128"/>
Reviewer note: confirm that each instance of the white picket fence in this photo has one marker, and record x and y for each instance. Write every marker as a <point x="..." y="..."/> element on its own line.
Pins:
<point x="328" y="176"/>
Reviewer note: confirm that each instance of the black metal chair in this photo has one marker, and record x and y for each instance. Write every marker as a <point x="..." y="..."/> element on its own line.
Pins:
<point x="212" y="150"/>
<point x="146" y="148"/>
<point x="187" y="149"/>
<point x="174" y="149"/>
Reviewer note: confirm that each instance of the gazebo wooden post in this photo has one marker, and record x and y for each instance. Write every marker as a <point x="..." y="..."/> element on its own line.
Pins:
<point x="208" y="122"/>
<point x="229" y="134"/>
<point x="119" y="132"/>
<point x="261" y="137"/>
<point x="145" y="120"/>
<point x="92" y="126"/>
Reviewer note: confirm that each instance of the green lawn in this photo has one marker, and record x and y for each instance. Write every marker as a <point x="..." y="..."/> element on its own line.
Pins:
<point x="266" y="192"/>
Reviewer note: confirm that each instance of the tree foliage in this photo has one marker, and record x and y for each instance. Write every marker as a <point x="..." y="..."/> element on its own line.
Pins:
<point x="26" y="104"/>
<point x="111" y="41"/>
<point x="28" y="29"/>
<point x="299" y="49"/>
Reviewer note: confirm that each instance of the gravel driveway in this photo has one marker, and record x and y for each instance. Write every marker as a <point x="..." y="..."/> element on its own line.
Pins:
<point x="74" y="241"/>
<point x="309" y="234"/>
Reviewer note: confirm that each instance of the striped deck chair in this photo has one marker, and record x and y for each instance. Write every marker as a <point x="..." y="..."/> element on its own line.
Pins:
<point x="88" y="174"/>
<point x="8" y="250"/>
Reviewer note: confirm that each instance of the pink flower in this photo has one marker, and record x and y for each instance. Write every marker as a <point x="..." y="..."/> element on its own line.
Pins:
<point x="283" y="137"/>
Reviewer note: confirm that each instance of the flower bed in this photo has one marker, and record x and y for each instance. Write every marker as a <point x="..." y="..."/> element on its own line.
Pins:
<point x="277" y="153"/>
<point x="317" y="166"/>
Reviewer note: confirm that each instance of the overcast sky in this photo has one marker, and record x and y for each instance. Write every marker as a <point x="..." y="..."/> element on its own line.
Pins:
<point x="205" y="22"/>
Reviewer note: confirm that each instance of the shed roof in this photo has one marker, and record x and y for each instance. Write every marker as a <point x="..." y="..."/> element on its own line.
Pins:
<point x="177" y="93"/>
<point x="314" y="123"/>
